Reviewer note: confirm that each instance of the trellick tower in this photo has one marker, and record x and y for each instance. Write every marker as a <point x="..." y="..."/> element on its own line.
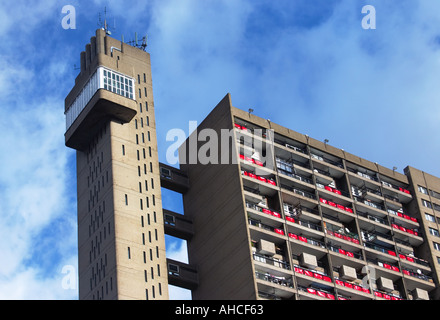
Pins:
<point x="110" y="123"/>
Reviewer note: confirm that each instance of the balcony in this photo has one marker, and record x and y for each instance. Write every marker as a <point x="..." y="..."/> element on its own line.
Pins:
<point x="304" y="226"/>
<point x="402" y="194"/>
<point x="267" y="229"/>
<point x="258" y="184"/>
<point x="353" y="288"/>
<point x="411" y="261"/>
<point x="363" y="174"/>
<point x="270" y="262"/>
<point x="417" y="279"/>
<point x="333" y="191"/>
<point x="281" y="281"/>
<point x="341" y="256"/>
<point x="412" y="236"/>
<point x="387" y="253"/>
<point x="383" y="295"/>
<point x="261" y="209"/>
<point x="403" y="218"/>
<point x="370" y="221"/>
<point x="314" y="293"/>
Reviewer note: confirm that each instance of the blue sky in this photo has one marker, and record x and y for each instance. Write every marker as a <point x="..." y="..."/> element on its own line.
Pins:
<point x="305" y="64"/>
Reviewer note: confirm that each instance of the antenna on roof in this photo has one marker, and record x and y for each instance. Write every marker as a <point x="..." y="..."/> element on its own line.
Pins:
<point x="104" y="25"/>
<point x="141" y="44"/>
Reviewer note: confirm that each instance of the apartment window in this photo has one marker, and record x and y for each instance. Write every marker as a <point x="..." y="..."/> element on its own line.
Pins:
<point x="434" y="232"/>
<point x="438" y="260"/>
<point x="148" y="123"/>
<point x="423" y="190"/>
<point x="436" y="207"/>
<point x="118" y="83"/>
<point x="145" y="77"/>
<point x="434" y="194"/>
<point x="126" y="200"/>
<point x="426" y="203"/>
<point x="429" y="217"/>
<point x="128" y="253"/>
<point x="139" y="79"/>
<point x="436" y="246"/>
<point x="123" y="150"/>
<point x="145" y="91"/>
<point x="140" y="107"/>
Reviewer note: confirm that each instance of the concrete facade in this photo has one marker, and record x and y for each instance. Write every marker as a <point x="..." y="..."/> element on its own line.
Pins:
<point x="120" y="220"/>
<point x="277" y="215"/>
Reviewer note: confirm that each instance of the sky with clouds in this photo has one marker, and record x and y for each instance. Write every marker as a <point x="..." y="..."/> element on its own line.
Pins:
<point x="305" y="64"/>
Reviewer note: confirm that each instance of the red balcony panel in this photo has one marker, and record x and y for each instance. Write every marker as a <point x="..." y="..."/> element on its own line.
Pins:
<point x="328" y="188"/>
<point x="318" y="276"/>
<point x="290" y="219"/>
<point x="276" y="214"/>
<point x="292" y="235"/>
<point x="308" y="273"/>
<point x="339" y="282"/>
<point x="279" y="231"/>
<point x="310" y="290"/>
<point x="258" y="163"/>
<point x="348" y="209"/>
